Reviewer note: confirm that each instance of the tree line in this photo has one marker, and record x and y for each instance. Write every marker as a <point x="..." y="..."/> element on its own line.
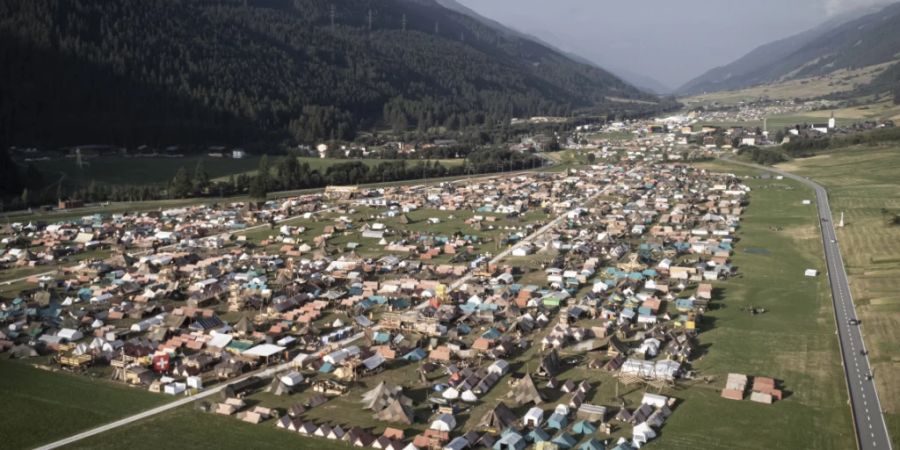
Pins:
<point x="286" y="173"/>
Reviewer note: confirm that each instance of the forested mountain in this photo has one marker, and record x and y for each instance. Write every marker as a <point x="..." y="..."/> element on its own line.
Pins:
<point x="238" y="71"/>
<point x="842" y="43"/>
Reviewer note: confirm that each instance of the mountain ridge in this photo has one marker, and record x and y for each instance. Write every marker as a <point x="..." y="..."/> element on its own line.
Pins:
<point x="230" y="71"/>
<point x="816" y="51"/>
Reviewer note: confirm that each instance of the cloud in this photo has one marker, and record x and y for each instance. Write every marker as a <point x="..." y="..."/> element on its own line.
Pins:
<point x="835" y="7"/>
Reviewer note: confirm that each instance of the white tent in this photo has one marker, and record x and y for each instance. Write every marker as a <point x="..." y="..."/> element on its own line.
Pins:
<point x="292" y="379"/>
<point x="264" y="350"/>
<point x="534" y="417"/>
<point x="469" y="396"/>
<point x="450" y="393"/>
<point x="444" y="422"/>
<point x="642" y="434"/>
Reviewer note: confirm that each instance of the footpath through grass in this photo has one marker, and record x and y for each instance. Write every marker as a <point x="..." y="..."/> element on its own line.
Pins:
<point x="864" y="185"/>
<point x="41" y="406"/>
<point x="793" y="341"/>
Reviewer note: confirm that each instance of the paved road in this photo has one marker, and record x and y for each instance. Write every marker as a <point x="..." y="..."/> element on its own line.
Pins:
<point x="871" y="430"/>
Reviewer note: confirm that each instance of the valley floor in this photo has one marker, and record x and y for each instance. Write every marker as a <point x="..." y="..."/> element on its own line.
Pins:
<point x="863" y="185"/>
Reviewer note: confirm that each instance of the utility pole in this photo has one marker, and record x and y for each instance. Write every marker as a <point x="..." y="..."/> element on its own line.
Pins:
<point x="332" y="16"/>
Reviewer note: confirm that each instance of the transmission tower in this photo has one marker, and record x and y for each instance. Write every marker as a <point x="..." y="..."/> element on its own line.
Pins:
<point x="332" y="16"/>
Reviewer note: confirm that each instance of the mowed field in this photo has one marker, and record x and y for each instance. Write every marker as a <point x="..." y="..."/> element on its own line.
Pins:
<point x="40" y="406"/>
<point x="793" y="341"/>
<point x="784" y="121"/>
<point x="862" y="182"/>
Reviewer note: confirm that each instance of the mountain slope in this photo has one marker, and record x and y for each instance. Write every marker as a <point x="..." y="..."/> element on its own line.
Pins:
<point x="642" y="82"/>
<point x="230" y="71"/>
<point x="850" y="41"/>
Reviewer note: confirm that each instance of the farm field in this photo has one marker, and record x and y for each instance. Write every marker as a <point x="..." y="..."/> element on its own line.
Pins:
<point x="779" y="122"/>
<point x="42" y="406"/>
<point x="863" y="184"/>
<point x="838" y="81"/>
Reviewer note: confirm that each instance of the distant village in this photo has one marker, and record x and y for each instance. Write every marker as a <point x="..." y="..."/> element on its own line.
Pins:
<point x="446" y="312"/>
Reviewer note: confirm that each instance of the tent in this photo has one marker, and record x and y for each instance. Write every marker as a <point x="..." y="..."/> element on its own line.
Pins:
<point x="592" y="444"/>
<point x="584" y="427"/>
<point x="534" y="417"/>
<point x="498" y="418"/>
<point x="564" y="440"/>
<point x="525" y="392"/>
<point x="450" y="393"/>
<point x="642" y="434"/>
<point x="550" y="365"/>
<point x="444" y="422"/>
<point x="395" y="412"/>
<point x="383" y="395"/>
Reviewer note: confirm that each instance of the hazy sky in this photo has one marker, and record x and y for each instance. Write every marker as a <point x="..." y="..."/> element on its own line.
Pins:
<point x="670" y="41"/>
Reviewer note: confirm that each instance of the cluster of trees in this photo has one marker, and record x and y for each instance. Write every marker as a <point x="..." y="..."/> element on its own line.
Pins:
<point x="764" y="156"/>
<point x="288" y="173"/>
<point x="799" y="147"/>
<point x="20" y="187"/>
<point x="241" y="72"/>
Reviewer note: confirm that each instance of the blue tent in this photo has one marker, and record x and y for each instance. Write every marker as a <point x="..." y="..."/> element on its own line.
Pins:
<point x="558" y="421"/>
<point x="584" y="427"/>
<point x="564" y="440"/>
<point x="592" y="444"/>
<point x="538" y="435"/>
<point x="415" y="355"/>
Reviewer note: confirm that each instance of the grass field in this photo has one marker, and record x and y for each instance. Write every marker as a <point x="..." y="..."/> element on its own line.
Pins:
<point x="838" y="81"/>
<point x="40" y="406"/>
<point x="792" y="341"/>
<point x="861" y="182"/>
<point x="185" y="428"/>
<point x="779" y="122"/>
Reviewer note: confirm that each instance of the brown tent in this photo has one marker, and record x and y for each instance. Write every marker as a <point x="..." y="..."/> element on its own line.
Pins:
<point x="383" y="395"/>
<point x="498" y="418"/>
<point x="525" y="392"/>
<point x="395" y="412"/>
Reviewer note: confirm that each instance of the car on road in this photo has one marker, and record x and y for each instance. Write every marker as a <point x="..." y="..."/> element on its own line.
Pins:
<point x="824" y="220"/>
<point x="833" y="241"/>
<point x="864" y="352"/>
<point x="869" y="376"/>
<point x="853" y="321"/>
